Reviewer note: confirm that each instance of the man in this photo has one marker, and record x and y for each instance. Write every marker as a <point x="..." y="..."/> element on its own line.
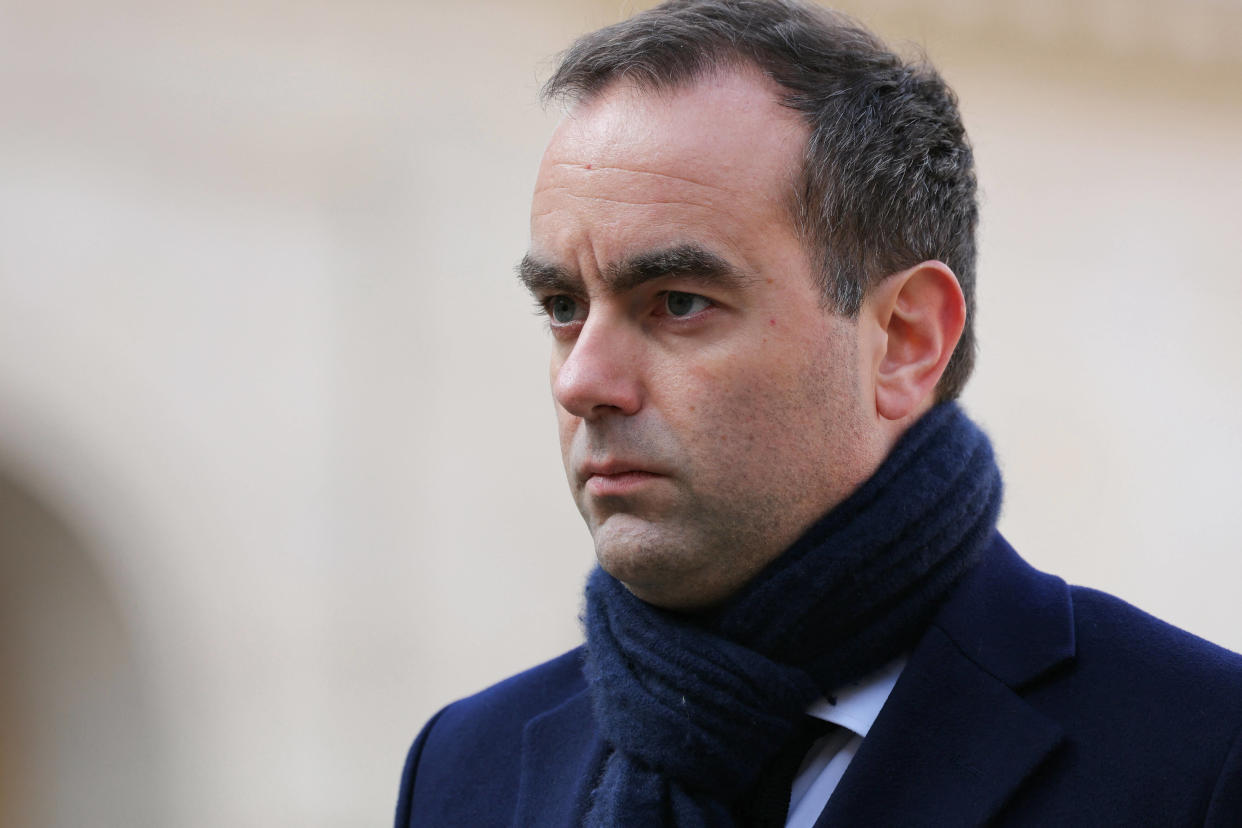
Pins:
<point x="753" y="238"/>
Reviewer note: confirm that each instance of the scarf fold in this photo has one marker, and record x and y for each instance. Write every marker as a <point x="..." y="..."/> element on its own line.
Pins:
<point x="692" y="707"/>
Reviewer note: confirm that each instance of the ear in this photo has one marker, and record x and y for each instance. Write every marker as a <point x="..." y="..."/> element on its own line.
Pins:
<point x="918" y="315"/>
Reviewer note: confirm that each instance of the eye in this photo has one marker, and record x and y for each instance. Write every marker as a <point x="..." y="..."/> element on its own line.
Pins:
<point x="562" y="309"/>
<point x="685" y="304"/>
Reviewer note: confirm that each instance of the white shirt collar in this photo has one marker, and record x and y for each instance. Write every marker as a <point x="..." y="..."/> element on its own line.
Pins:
<point x="857" y="705"/>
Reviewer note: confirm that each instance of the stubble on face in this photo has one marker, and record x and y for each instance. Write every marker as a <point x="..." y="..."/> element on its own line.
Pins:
<point x="748" y="475"/>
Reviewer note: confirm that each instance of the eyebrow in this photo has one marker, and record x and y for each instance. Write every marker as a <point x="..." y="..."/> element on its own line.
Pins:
<point x="542" y="277"/>
<point x="691" y="260"/>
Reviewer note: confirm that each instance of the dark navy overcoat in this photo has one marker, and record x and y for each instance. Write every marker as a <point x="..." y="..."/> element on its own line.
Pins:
<point x="1027" y="702"/>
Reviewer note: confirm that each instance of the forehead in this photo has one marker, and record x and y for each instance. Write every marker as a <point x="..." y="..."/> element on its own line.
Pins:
<point x="728" y="123"/>
<point x="719" y="156"/>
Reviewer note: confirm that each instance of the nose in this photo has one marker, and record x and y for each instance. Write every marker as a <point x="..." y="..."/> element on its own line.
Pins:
<point x="601" y="373"/>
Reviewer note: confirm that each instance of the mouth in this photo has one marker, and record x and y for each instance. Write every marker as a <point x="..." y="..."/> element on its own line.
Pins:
<point x="616" y="479"/>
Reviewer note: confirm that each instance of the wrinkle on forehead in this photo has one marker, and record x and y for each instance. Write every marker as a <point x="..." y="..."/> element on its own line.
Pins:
<point x="578" y="181"/>
<point x="603" y="168"/>
<point x="586" y="175"/>
<point x="568" y="191"/>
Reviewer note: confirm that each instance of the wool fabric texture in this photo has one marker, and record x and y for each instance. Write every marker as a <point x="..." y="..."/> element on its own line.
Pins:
<point x="692" y="706"/>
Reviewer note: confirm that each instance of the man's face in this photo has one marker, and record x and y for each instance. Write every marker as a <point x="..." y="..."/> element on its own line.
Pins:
<point x="709" y="408"/>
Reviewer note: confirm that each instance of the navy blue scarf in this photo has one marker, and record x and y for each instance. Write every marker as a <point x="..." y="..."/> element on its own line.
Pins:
<point x="693" y="706"/>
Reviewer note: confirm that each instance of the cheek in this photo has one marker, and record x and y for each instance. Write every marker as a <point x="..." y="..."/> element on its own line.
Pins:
<point x="724" y="369"/>
<point x="729" y="404"/>
<point x="774" y="402"/>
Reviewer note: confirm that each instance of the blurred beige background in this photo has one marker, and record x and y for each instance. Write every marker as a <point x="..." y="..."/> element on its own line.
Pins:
<point x="278" y="473"/>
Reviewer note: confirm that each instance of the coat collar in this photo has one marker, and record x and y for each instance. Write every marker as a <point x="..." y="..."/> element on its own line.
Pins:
<point x="956" y="740"/>
<point x="561" y="749"/>
<point x="1010" y="619"/>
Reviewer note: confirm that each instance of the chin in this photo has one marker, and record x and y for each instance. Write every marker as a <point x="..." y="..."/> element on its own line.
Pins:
<point x="667" y="573"/>
<point x="636" y="559"/>
<point x="651" y="564"/>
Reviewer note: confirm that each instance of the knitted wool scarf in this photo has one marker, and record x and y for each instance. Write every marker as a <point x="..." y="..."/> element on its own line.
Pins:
<point x="692" y="707"/>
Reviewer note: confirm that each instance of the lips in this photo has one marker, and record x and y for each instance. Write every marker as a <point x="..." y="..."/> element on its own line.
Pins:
<point x="616" y="478"/>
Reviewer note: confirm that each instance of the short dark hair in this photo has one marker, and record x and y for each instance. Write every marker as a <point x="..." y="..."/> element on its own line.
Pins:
<point x="888" y="177"/>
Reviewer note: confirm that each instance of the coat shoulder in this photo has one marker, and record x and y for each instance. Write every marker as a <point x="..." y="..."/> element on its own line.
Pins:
<point x="1149" y="716"/>
<point x="1152" y="717"/>
<point x="507" y="705"/>
<point x="462" y="764"/>
<point x="1179" y="693"/>
<point x="1107" y="627"/>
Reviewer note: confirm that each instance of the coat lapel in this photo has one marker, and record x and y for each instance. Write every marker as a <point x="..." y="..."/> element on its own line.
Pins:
<point x="956" y="739"/>
<point x="561" y="757"/>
